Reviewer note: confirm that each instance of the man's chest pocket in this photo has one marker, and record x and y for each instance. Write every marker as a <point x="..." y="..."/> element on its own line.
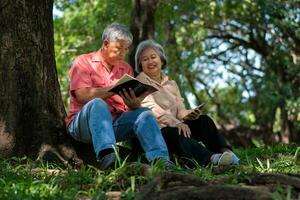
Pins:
<point x="99" y="81"/>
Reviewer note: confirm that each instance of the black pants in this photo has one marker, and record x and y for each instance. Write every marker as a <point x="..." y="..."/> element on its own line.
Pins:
<point x="188" y="149"/>
<point x="203" y="129"/>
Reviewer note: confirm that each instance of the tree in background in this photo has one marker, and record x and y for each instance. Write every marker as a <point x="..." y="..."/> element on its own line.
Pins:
<point x="31" y="110"/>
<point x="142" y="23"/>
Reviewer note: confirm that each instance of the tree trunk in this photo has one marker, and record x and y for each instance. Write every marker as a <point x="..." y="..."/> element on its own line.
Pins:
<point x="289" y="132"/>
<point x="31" y="109"/>
<point x="142" y="23"/>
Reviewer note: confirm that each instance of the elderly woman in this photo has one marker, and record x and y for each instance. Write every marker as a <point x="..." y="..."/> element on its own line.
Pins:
<point x="182" y="134"/>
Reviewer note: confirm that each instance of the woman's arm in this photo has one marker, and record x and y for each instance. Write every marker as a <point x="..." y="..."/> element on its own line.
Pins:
<point x="163" y="117"/>
<point x="180" y="105"/>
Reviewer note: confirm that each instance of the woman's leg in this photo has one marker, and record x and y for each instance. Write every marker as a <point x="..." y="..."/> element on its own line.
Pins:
<point x="204" y="129"/>
<point x="187" y="149"/>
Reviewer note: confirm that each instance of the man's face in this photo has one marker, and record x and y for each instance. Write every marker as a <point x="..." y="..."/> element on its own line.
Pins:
<point x="116" y="51"/>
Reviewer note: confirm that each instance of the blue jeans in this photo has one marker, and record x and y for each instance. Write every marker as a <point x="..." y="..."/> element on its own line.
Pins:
<point x="94" y="124"/>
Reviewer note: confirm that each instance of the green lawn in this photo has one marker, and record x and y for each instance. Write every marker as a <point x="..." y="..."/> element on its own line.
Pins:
<point x="21" y="178"/>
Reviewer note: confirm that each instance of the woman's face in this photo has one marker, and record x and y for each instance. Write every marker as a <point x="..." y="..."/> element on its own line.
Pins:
<point x="151" y="62"/>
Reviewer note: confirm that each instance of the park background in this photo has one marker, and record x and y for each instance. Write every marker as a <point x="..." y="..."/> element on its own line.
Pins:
<point x="241" y="58"/>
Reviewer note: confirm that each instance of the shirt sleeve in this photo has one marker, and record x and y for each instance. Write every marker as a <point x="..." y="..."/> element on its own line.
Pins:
<point x="79" y="76"/>
<point x="180" y="105"/>
<point x="159" y="112"/>
<point x="130" y="71"/>
<point x="149" y="102"/>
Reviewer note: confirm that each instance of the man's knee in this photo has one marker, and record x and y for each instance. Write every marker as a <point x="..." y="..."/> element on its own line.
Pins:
<point x="97" y="103"/>
<point x="142" y="109"/>
<point x="144" y="113"/>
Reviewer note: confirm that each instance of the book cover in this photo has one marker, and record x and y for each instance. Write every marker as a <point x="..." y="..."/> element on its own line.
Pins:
<point x="137" y="86"/>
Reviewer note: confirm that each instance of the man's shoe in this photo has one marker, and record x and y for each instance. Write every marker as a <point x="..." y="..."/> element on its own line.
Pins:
<point x="107" y="161"/>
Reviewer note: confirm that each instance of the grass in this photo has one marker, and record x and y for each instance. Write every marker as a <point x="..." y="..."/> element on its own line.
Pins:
<point x="21" y="178"/>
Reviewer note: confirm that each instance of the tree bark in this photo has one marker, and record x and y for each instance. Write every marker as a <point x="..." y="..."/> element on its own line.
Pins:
<point x="31" y="109"/>
<point x="142" y="23"/>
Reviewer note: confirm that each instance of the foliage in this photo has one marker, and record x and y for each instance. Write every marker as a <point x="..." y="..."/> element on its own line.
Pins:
<point x="21" y="178"/>
<point x="249" y="45"/>
<point x="241" y="57"/>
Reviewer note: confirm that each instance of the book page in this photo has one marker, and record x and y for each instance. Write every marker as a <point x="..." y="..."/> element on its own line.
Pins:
<point x="124" y="79"/>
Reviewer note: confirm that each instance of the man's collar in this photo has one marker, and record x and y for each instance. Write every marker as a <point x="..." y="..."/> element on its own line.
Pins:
<point x="98" y="58"/>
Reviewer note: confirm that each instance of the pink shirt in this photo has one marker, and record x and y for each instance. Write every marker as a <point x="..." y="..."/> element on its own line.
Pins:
<point x="90" y="71"/>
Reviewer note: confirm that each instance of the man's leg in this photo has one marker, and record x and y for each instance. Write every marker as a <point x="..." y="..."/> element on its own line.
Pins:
<point x="93" y="124"/>
<point x="141" y="123"/>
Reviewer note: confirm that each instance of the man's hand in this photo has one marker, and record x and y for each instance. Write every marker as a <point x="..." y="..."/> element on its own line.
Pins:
<point x="131" y="100"/>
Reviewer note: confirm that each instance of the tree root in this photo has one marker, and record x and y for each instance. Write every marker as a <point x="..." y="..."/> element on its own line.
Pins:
<point x="275" y="179"/>
<point x="168" y="185"/>
<point x="54" y="154"/>
<point x="214" y="192"/>
<point x="165" y="178"/>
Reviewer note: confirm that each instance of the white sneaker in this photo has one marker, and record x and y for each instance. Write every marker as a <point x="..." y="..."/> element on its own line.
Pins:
<point x="225" y="159"/>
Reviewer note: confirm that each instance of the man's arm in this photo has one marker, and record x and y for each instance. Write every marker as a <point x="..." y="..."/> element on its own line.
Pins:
<point x="84" y="95"/>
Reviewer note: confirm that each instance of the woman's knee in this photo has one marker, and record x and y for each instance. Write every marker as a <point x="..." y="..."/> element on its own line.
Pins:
<point x="171" y="133"/>
<point x="206" y="119"/>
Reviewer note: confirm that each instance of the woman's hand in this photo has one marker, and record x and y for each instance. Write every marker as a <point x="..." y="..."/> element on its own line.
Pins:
<point x="194" y="114"/>
<point x="184" y="129"/>
<point x="167" y="120"/>
<point x="131" y="100"/>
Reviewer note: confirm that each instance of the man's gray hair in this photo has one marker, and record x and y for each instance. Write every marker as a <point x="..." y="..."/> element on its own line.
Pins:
<point x="153" y="45"/>
<point x="116" y="31"/>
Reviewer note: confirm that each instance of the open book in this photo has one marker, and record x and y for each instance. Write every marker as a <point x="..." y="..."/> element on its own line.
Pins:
<point x="137" y="86"/>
